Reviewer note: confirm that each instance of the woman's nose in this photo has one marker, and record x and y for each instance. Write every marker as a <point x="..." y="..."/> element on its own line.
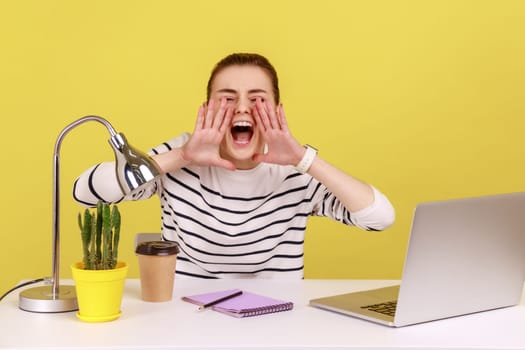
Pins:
<point x="243" y="106"/>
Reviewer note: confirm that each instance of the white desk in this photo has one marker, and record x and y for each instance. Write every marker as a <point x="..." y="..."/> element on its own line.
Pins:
<point x="178" y="325"/>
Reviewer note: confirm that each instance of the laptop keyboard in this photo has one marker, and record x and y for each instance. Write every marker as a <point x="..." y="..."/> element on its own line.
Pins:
<point x="387" y="308"/>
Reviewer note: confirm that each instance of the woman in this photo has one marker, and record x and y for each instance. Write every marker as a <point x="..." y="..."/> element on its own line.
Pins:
<point x="236" y="193"/>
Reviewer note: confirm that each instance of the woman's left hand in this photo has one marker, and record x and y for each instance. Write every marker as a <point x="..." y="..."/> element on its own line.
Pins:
<point x="283" y="148"/>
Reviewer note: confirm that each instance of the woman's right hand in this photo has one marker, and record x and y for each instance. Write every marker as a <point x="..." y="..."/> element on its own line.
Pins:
<point x="202" y="149"/>
<point x="203" y="146"/>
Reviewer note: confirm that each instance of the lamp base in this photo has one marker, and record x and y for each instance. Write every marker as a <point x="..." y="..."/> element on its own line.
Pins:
<point x="41" y="299"/>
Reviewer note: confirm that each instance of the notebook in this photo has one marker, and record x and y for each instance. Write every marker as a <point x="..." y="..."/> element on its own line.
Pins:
<point x="245" y="304"/>
<point x="464" y="256"/>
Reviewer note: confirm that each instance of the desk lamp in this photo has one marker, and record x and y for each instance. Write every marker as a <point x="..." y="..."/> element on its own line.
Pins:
<point x="134" y="169"/>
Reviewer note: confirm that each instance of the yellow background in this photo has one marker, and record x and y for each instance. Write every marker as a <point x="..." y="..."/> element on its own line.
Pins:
<point x="423" y="99"/>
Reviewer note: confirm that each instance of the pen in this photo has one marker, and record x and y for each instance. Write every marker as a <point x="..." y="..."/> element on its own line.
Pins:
<point x="211" y="303"/>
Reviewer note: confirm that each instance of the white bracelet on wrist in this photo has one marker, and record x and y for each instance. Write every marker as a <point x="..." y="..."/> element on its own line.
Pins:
<point x="307" y="160"/>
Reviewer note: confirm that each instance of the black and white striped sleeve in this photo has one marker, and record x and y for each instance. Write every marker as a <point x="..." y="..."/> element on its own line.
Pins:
<point x="100" y="183"/>
<point x="97" y="183"/>
<point x="376" y="217"/>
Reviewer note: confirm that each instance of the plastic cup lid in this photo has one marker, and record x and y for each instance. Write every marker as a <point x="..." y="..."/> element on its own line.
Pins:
<point x="157" y="248"/>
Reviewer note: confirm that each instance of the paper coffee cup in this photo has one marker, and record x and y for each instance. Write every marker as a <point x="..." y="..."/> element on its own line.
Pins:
<point x="157" y="260"/>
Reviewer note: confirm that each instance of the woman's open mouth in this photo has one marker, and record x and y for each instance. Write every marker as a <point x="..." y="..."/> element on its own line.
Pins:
<point x="242" y="132"/>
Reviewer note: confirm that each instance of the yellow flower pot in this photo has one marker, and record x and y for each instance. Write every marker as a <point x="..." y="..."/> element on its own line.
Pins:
<point x="99" y="292"/>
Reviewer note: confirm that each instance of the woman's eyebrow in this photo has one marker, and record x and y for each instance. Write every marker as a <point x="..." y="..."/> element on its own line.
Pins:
<point x="228" y="91"/>
<point x="233" y="91"/>
<point x="257" y="91"/>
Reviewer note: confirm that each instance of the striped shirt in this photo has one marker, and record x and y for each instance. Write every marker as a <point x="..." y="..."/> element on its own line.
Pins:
<point x="236" y="224"/>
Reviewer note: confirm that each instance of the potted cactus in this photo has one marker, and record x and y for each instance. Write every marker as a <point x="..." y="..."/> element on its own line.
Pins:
<point x="99" y="277"/>
<point x="100" y="233"/>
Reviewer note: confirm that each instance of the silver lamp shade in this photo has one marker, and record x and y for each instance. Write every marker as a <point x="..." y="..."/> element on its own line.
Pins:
<point x="134" y="168"/>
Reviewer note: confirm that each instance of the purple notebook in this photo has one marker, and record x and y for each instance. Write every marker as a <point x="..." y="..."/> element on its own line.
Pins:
<point x="243" y="305"/>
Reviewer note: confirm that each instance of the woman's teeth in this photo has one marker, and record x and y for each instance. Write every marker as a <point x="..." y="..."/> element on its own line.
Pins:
<point x="242" y="123"/>
<point x="242" y="132"/>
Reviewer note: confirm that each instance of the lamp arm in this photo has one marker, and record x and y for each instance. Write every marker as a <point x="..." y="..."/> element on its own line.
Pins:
<point x="56" y="193"/>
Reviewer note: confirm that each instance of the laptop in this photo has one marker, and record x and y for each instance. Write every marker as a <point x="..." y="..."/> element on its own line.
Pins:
<point x="463" y="256"/>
